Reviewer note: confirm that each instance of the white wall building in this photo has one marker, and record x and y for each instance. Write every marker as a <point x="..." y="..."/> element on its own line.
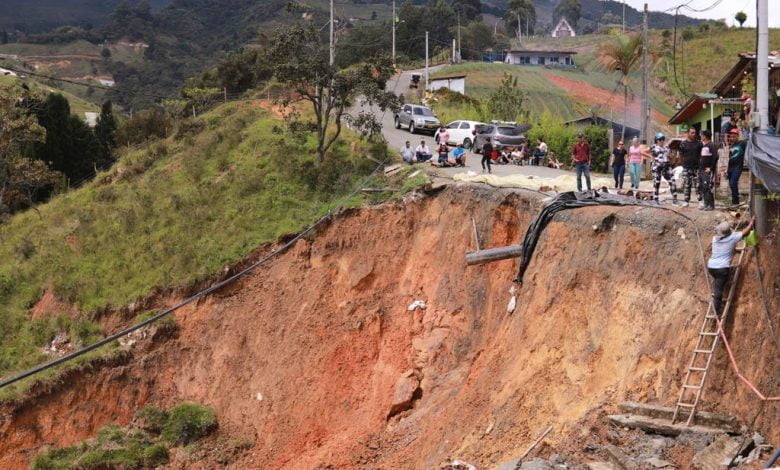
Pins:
<point x="546" y="58"/>
<point x="454" y="83"/>
<point x="563" y="30"/>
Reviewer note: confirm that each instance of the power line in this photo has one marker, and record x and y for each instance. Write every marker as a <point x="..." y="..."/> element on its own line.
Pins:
<point x="71" y="356"/>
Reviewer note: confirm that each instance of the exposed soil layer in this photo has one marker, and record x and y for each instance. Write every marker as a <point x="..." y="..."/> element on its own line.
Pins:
<point x="310" y="354"/>
<point x="584" y="91"/>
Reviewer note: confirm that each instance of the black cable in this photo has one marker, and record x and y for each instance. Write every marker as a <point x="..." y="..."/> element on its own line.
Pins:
<point x="204" y="292"/>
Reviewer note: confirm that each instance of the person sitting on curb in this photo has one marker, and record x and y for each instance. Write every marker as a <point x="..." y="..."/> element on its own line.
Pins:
<point x="407" y="153"/>
<point x="444" y="154"/>
<point x="719" y="264"/>
<point x="460" y="155"/>
<point x="422" y="152"/>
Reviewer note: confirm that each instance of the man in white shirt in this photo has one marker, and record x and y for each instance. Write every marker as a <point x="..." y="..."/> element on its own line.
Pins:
<point x="422" y="152"/>
<point x="719" y="264"/>
<point x="407" y="153"/>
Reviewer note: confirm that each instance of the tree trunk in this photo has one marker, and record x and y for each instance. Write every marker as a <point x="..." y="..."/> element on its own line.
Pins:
<point x="625" y="112"/>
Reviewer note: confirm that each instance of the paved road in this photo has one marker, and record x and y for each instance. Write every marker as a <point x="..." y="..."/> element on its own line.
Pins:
<point x="397" y="137"/>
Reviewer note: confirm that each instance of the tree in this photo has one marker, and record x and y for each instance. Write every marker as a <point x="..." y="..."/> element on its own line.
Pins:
<point x="105" y="53"/>
<point x="622" y="55"/>
<point x="105" y="130"/>
<point x="569" y="9"/>
<point x="525" y="11"/>
<point x="70" y="146"/>
<point x="506" y="103"/>
<point x="741" y="17"/>
<point x="476" y="38"/>
<point x="302" y="65"/>
<point x="469" y="10"/>
<point x="20" y="177"/>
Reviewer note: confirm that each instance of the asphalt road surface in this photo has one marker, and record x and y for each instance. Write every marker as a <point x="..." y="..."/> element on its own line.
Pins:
<point x="397" y="137"/>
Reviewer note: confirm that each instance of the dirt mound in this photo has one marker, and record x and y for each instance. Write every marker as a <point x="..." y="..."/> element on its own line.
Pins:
<point x="310" y="355"/>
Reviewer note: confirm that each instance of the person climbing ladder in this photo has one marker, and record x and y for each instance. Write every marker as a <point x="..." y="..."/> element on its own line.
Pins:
<point x="662" y="168"/>
<point x="719" y="264"/>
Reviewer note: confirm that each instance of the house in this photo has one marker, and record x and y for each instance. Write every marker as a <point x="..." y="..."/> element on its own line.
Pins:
<point x="7" y="72"/>
<point x="91" y="119"/>
<point x="725" y="100"/>
<point x="546" y="58"/>
<point x="563" y="30"/>
<point x="109" y="82"/>
<point x="454" y="83"/>
<point x="617" y="128"/>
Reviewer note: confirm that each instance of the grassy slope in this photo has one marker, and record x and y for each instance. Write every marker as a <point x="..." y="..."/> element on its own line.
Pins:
<point x="180" y="211"/>
<point x="78" y="106"/>
<point x="708" y="56"/>
<point x="483" y="78"/>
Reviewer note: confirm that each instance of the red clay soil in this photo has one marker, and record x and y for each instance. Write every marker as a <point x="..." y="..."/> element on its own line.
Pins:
<point x="592" y="94"/>
<point x="305" y="355"/>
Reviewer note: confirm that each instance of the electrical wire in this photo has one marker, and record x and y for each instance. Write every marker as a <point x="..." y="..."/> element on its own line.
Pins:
<point x="71" y="356"/>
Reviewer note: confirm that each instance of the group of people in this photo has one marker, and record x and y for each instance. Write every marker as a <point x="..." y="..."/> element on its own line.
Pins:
<point x="422" y="153"/>
<point x="698" y="162"/>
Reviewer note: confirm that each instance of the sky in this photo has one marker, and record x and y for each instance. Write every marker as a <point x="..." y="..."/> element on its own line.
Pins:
<point x="725" y="9"/>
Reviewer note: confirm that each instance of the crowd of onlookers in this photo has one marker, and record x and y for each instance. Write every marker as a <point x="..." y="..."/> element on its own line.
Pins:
<point x="695" y="162"/>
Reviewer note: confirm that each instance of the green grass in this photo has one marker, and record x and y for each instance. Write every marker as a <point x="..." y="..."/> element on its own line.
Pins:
<point x="166" y="215"/>
<point x="133" y="448"/>
<point x="78" y="106"/>
<point x="80" y="47"/>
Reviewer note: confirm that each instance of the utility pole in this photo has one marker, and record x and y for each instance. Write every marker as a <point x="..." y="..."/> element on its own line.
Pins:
<point x="332" y="37"/>
<point x="624" y="16"/>
<point x="519" y="28"/>
<point x="393" y="33"/>
<point x="459" y="52"/>
<point x="454" y="49"/>
<point x="762" y="106"/>
<point x="645" y="73"/>
<point x="426" y="63"/>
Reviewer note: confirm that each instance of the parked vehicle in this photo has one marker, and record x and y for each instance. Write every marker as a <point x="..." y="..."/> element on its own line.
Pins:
<point x="501" y="136"/>
<point x="417" y="119"/>
<point x="461" y="132"/>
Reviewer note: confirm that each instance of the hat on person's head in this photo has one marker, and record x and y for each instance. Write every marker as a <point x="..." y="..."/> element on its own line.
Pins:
<point x="723" y="229"/>
<point x="706" y="133"/>
<point x="580" y="134"/>
<point x="734" y="130"/>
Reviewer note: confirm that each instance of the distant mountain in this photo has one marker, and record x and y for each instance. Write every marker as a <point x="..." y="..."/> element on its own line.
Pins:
<point x="37" y="16"/>
<point x="593" y="12"/>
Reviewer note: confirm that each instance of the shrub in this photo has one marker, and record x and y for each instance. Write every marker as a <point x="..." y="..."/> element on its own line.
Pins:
<point x="144" y="125"/>
<point x="189" y="422"/>
<point x="151" y="419"/>
<point x="556" y="134"/>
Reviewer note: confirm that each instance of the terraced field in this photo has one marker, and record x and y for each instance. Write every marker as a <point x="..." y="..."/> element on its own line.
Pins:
<point x="541" y="95"/>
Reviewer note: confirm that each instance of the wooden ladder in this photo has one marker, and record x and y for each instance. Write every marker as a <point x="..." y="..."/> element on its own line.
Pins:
<point x="703" y="352"/>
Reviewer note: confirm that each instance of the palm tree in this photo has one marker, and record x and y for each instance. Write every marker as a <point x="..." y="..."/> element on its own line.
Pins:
<point x="622" y="55"/>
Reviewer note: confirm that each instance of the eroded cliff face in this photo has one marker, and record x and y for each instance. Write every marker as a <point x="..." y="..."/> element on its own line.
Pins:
<point x="316" y="357"/>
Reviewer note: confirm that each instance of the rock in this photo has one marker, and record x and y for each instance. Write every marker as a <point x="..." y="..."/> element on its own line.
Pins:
<point x="537" y="464"/>
<point x="724" y="447"/>
<point x="659" y="463"/>
<point x="600" y="466"/>
<point x="407" y="391"/>
<point x="460" y="465"/>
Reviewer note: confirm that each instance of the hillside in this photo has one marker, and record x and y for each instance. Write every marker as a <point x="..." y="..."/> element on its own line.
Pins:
<point x="166" y="215"/>
<point x="315" y="360"/>
<point x="44" y="15"/>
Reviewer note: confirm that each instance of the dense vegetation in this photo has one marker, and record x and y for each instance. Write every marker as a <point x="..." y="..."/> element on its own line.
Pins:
<point x="145" y="445"/>
<point x="171" y="211"/>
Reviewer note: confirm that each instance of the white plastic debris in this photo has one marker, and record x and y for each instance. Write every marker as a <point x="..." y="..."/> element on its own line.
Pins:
<point x="259" y="396"/>
<point x="510" y="307"/>
<point x="460" y="465"/>
<point x="417" y="304"/>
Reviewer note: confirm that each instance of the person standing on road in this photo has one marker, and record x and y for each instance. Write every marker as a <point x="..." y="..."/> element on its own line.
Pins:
<point x="690" y="151"/>
<point x="708" y="165"/>
<point x="407" y="153"/>
<point x="487" y="152"/>
<point x="580" y="154"/>
<point x="736" y="162"/>
<point x="618" y="163"/>
<point x="635" y="162"/>
<point x="719" y="264"/>
<point x="444" y="136"/>
<point x="662" y="168"/>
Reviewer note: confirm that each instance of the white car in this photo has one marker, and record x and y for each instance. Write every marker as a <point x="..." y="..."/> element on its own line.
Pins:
<point x="461" y="132"/>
